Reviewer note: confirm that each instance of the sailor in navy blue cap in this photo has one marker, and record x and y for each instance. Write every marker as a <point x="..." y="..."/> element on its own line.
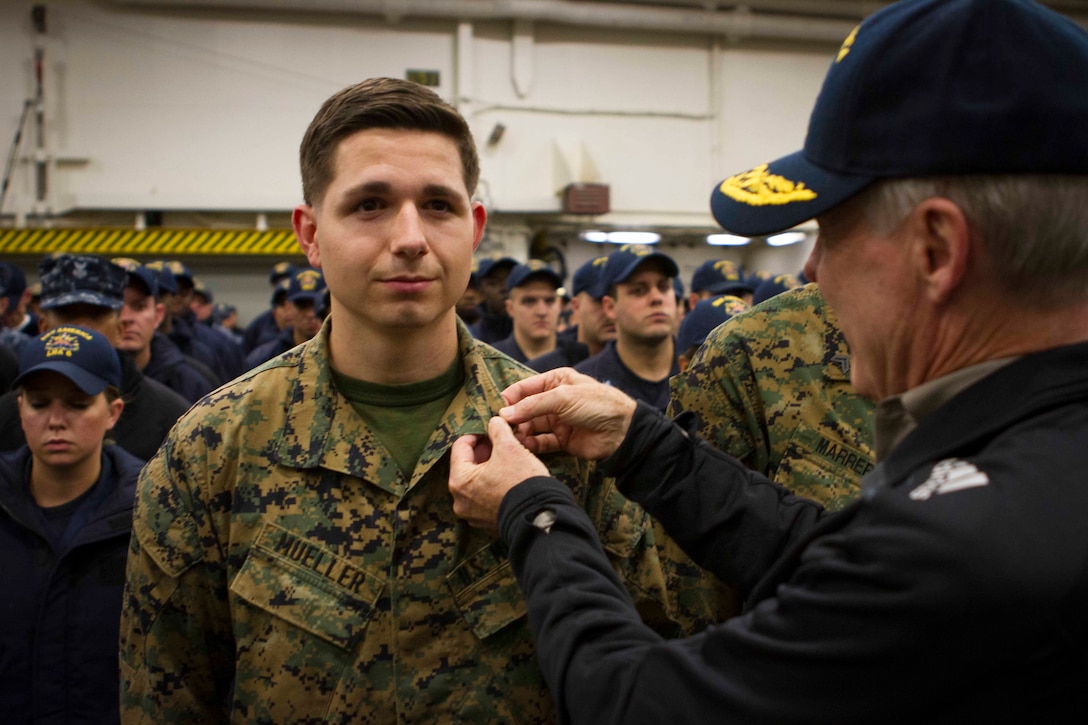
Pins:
<point x="720" y="277"/>
<point x="494" y="323"/>
<point x="303" y="296"/>
<point x="946" y="165"/>
<point x="12" y="286"/>
<point x="220" y="353"/>
<point x="154" y="353"/>
<point x="703" y="318"/>
<point x="66" y="501"/>
<point x="533" y="305"/>
<point x="637" y="293"/>
<point x="592" y="327"/>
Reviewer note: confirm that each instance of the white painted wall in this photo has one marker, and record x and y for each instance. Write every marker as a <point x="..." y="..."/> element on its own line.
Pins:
<point x="203" y="110"/>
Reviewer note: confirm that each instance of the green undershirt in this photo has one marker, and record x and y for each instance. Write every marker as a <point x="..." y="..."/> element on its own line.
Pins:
<point x="403" y="416"/>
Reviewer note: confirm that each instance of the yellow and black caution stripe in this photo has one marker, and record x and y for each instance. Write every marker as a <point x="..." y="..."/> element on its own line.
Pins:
<point x="157" y="242"/>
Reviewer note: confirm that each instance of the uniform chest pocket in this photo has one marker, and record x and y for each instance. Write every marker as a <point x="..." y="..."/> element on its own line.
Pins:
<point x="486" y="591"/>
<point x="309" y="587"/>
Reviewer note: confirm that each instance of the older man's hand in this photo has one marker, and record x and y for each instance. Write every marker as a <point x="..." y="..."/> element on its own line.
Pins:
<point x="562" y="410"/>
<point x="482" y="470"/>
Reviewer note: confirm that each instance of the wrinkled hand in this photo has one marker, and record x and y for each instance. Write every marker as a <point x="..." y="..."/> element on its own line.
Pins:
<point x="483" y="470"/>
<point x="565" y="410"/>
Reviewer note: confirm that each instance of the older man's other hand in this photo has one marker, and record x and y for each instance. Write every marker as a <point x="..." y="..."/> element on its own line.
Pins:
<point x="563" y="410"/>
<point x="482" y="470"/>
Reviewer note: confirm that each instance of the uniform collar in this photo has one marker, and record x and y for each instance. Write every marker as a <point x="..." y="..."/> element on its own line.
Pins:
<point x="322" y="430"/>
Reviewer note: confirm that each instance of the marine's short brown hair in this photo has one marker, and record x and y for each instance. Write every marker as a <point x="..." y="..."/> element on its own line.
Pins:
<point x="380" y="103"/>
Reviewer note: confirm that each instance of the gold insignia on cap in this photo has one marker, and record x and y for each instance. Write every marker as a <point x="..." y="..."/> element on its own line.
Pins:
<point x="727" y="269"/>
<point x="309" y="280"/>
<point x="63" y="341"/>
<point x="126" y="263"/>
<point x="847" y="44"/>
<point x="758" y="188"/>
<point x="731" y="305"/>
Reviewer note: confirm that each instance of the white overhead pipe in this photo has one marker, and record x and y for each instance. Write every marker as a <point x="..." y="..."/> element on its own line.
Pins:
<point x="733" y="24"/>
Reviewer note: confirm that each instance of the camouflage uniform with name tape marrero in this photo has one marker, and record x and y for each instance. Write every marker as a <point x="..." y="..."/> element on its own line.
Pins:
<point x="283" y="570"/>
<point x="771" y="387"/>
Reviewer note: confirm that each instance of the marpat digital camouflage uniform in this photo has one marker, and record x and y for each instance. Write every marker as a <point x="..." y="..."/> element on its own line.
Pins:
<point x="283" y="570"/>
<point x="771" y="387"/>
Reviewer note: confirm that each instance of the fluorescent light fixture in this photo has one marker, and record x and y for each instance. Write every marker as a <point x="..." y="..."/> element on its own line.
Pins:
<point x="634" y="237"/>
<point x="726" y="240"/>
<point x="595" y="236"/>
<point x="598" y="237"/>
<point x="786" y="238"/>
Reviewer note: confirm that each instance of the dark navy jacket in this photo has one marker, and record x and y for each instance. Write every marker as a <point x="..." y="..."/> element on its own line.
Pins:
<point x="186" y="376"/>
<point x="261" y="329"/>
<point x="954" y="590"/>
<point x="510" y="346"/>
<point x="607" y="367"/>
<point x="281" y="343"/>
<point x="568" y="352"/>
<point x="490" y="327"/>
<point x="60" y="610"/>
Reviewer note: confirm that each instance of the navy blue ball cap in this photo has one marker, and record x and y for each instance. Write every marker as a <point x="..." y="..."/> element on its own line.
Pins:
<point x="928" y="88"/>
<point x="533" y="269"/>
<point x="281" y="270"/>
<point x="774" y="286"/>
<point x="12" y="282"/>
<point x="279" y="292"/>
<point x="704" y="317"/>
<point x="306" y="284"/>
<point x="82" y="355"/>
<point x="180" y="270"/>
<point x="623" y="262"/>
<point x="719" y="277"/>
<point x="167" y="283"/>
<point x="70" y="279"/>
<point x="146" y="279"/>
<point x="490" y="264"/>
<point x="586" y="276"/>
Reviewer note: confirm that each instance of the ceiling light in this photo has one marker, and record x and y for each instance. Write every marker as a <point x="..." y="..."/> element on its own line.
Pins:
<point x="726" y="240"/>
<point x="786" y="238"/>
<point x="597" y="237"/>
<point x="634" y="237"/>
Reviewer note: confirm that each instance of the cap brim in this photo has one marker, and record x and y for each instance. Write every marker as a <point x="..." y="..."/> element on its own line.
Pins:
<point x="82" y="297"/>
<point x="87" y="382"/>
<point x="777" y="196"/>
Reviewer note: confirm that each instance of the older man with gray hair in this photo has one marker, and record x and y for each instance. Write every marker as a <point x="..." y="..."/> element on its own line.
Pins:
<point x="946" y="164"/>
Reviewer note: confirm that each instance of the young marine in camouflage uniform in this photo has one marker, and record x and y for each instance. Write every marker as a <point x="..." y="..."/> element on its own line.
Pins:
<point x="295" y="555"/>
<point x="771" y="387"/>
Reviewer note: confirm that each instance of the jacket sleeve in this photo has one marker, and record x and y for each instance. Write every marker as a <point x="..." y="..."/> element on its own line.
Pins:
<point x="874" y="624"/>
<point x="176" y="649"/>
<point x="672" y="593"/>
<point x="730" y="520"/>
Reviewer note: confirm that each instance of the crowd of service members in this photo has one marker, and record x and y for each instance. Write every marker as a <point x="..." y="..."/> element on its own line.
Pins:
<point x="101" y="357"/>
